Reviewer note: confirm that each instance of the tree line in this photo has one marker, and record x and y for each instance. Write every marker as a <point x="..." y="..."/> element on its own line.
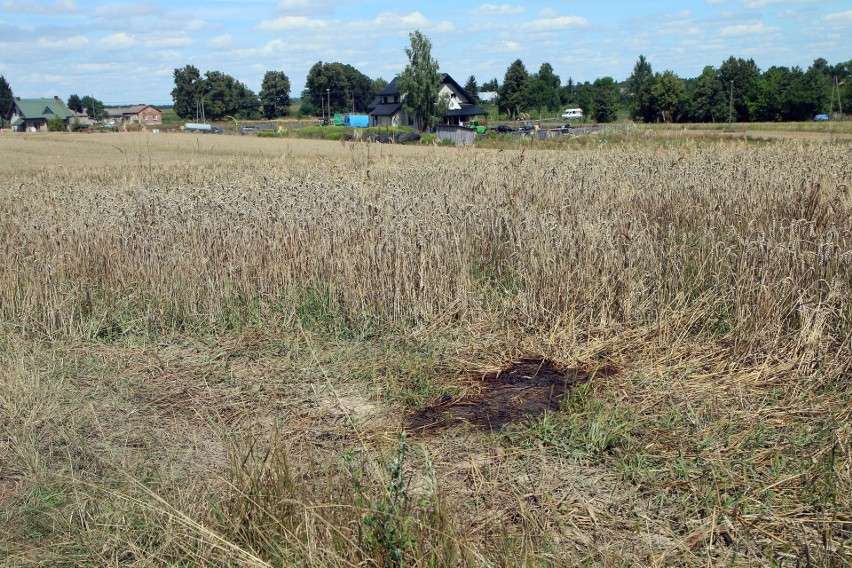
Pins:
<point x="736" y="91"/>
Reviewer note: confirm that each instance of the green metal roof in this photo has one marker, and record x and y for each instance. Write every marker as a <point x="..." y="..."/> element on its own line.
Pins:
<point x="42" y="108"/>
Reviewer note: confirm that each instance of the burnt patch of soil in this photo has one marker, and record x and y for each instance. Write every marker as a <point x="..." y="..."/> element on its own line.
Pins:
<point x="491" y="401"/>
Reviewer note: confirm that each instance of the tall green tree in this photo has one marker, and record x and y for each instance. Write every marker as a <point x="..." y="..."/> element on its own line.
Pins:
<point x="583" y="97"/>
<point x="540" y="96"/>
<point x="472" y="88"/>
<point x="668" y="97"/>
<point x="544" y="90"/>
<point x="741" y="77"/>
<point x="420" y="82"/>
<point x="339" y="84"/>
<point x="820" y="84"/>
<point x="379" y="85"/>
<point x="189" y="87"/>
<point x="639" y="86"/>
<point x="7" y="99"/>
<point x="75" y="103"/>
<point x="605" y="99"/>
<point x="708" y="102"/>
<point x="513" y="91"/>
<point x="94" y="108"/>
<point x="275" y="94"/>
<point x="223" y="95"/>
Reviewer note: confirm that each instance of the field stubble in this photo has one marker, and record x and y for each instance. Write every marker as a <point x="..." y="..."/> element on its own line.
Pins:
<point x="210" y="345"/>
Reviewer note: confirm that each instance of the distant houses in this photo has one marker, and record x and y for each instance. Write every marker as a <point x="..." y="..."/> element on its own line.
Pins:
<point x="141" y="114"/>
<point x="386" y="109"/>
<point x="32" y="115"/>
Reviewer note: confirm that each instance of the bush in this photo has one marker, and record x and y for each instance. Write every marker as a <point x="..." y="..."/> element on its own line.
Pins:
<point x="56" y="124"/>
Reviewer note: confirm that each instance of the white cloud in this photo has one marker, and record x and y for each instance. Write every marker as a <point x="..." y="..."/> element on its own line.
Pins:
<point x="765" y="3"/>
<point x="298" y="23"/>
<point x="95" y="67"/>
<point x="747" y="29"/>
<point x="555" y="23"/>
<point x="497" y="10"/>
<point x="118" y="40"/>
<point x="294" y="4"/>
<point x="396" y="22"/>
<point x="196" y="24"/>
<point x="29" y="7"/>
<point x="221" y="41"/>
<point x="838" y="18"/>
<point x="168" y="42"/>
<point x="68" y="43"/>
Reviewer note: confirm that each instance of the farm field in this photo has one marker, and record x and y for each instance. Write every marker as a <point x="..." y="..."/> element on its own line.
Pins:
<point x="237" y="351"/>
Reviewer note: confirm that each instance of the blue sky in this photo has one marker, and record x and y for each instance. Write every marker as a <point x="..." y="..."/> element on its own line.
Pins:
<point x="126" y="52"/>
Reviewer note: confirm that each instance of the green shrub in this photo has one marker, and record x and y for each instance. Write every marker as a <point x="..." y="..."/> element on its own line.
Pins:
<point x="56" y="124"/>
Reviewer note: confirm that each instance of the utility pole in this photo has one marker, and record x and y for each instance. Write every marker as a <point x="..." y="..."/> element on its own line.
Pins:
<point x="731" y="105"/>
<point x="328" y="94"/>
<point x="839" y="101"/>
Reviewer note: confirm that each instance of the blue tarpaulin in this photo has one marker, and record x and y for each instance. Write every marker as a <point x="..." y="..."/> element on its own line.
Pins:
<point x="357" y="120"/>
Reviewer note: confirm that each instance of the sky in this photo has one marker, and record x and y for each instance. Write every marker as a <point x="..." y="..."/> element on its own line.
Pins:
<point x="125" y="53"/>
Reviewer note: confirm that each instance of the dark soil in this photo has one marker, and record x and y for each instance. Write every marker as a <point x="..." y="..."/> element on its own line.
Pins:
<point x="524" y="388"/>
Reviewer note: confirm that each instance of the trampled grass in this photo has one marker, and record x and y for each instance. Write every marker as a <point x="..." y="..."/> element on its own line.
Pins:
<point x="210" y="346"/>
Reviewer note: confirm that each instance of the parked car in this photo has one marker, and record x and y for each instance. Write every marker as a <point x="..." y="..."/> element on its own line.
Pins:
<point x="501" y="128"/>
<point x="821" y="117"/>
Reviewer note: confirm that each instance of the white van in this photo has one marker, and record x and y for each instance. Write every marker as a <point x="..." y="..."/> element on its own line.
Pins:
<point x="572" y="113"/>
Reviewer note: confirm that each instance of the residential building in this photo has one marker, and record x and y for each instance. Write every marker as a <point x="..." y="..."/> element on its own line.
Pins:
<point x="386" y="109"/>
<point x="32" y="115"/>
<point x="143" y="114"/>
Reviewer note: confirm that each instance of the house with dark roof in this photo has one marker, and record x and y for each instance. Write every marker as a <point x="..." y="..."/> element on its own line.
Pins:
<point x="32" y="115"/>
<point x="386" y="109"/>
<point x="143" y="114"/>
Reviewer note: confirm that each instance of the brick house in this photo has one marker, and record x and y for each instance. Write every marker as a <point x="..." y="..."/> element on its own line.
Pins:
<point x="142" y="114"/>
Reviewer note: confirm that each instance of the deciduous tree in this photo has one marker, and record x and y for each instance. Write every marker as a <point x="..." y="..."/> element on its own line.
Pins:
<point x="340" y="84"/>
<point x="605" y="99"/>
<point x="420" y="82"/>
<point x="667" y="98"/>
<point x="275" y="94"/>
<point x="740" y="77"/>
<point x="75" y="103"/>
<point x="189" y="87"/>
<point x="94" y="108"/>
<point x="708" y="103"/>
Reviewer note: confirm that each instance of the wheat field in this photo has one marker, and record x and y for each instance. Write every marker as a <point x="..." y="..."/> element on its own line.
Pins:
<point x="210" y="346"/>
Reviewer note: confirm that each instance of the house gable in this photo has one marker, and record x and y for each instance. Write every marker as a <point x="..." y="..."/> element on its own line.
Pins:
<point x="386" y="108"/>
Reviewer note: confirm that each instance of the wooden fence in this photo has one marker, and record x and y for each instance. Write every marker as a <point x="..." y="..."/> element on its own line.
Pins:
<point x="460" y="135"/>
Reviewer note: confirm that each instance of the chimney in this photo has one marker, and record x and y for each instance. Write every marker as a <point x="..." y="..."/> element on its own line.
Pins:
<point x="55" y="97"/>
